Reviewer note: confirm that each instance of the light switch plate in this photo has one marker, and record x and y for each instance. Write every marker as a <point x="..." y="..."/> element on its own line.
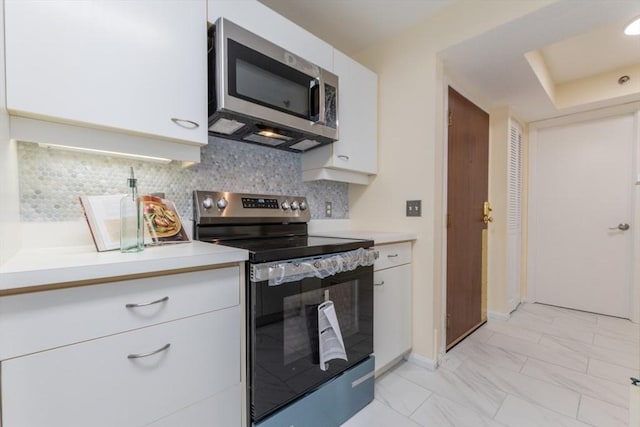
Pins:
<point x="414" y="207"/>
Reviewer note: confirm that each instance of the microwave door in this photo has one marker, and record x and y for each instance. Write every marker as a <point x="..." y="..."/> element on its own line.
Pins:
<point x="261" y="80"/>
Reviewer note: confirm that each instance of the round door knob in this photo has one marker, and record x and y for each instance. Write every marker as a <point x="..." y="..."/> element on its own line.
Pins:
<point x="207" y="203"/>
<point x="285" y="205"/>
<point x="303" y="205"/>
<point x="222" y="203"/>
<point x="621" y="227"/>
<point x="294" y="206"/>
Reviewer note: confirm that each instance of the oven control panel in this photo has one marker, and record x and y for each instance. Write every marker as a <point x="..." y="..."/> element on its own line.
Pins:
<point x="211" y="207"/>
<point x="259" y="203"/>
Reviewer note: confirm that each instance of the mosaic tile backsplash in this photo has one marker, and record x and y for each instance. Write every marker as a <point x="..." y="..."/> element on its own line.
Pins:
<point x="51" y="180"/>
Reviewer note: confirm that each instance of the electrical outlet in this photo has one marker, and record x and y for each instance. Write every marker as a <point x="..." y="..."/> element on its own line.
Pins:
<point x="414" y="207"/>
<point x="328" y="210"/>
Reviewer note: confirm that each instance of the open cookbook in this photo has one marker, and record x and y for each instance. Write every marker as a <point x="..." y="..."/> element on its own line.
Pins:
<point x="162" y="221"/>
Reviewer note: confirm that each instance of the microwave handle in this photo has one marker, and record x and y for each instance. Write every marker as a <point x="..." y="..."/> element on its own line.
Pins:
<point x="316" y="92"/>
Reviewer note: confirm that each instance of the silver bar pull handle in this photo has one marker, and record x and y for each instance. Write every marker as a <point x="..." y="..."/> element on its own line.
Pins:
<point x="187" y="124"/>
<point x="392" y="256"/>
<point x="343" y="157"/>
<point x="379" y="284"/>
<point x="151" y="353"/>
<point x="144" y="304"/>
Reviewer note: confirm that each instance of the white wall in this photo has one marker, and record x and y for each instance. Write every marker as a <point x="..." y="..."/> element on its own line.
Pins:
<point x="410" y="145"/>
<point x="9" y="212"/>
<point x="497" y="241"/>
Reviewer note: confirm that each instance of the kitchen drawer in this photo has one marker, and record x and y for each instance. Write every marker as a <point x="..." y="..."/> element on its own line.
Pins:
<point x="44" y="320"/>
<point x="222" y="410"/>
<point x="392" y="255"/>
<point x="96" y="384"/>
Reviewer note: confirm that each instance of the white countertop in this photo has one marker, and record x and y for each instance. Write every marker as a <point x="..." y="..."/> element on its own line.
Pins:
<point x="34" y="267"/>
<point x="42" y="261"/>
<point x="379" y="237"/>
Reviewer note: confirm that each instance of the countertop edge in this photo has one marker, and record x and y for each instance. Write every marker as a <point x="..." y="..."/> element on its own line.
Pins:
<point x="379" y="237"/>
<point x="37" y="268"/>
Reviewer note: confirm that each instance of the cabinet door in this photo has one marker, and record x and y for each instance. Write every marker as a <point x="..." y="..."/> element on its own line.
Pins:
<point x="136" y="66"/>
<point x="392" y="314"/>
<point x="98" y="384"/>
<point x="355" y="155"/>
<point x="356" y="150"/>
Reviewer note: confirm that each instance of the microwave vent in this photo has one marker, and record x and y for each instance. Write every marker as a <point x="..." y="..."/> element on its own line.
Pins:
<point x="304" y="144"/>
<point x="254" y="137"/>
<point x="226" y="126"/>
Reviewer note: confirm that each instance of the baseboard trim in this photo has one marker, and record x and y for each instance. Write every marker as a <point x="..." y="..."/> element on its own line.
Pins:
<point x="495" y="315"/>
<point x="422" y="361"/>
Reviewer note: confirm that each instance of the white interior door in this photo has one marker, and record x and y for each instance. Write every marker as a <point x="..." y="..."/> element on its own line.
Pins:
<point x="581" y="189"/>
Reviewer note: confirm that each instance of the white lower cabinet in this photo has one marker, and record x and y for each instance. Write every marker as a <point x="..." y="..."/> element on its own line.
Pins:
<point x="220" y="410"/>
<point x="160" y="351"/>
<point x="392" y="305"/>
<point x="44" y="320"/>
<point x="128" y="379"/>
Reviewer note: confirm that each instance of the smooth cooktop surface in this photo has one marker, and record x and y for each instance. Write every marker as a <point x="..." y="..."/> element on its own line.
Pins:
<point x="269" y="249"/>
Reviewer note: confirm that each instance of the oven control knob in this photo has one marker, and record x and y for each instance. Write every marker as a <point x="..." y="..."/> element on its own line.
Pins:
<point x="207" y="202"/>
<point x="285" y="205"/>
<point x="294" y="206"/>
<point x="222" y="203"/>
<point x="303" y="205"/>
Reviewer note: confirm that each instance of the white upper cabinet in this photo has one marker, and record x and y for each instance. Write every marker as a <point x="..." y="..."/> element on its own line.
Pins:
<point x="137" y="67"/>
<point x="354" y="156"/>
<point x="259" y="19"/>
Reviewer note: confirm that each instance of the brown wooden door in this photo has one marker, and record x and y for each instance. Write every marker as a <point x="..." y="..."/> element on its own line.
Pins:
<point x="468" y="175"/>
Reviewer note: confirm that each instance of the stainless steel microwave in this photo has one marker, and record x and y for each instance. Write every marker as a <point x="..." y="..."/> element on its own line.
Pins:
<point x="263" y="94"/>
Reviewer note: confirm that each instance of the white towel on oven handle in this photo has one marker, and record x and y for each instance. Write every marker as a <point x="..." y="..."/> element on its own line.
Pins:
<point x="331" y="345"/>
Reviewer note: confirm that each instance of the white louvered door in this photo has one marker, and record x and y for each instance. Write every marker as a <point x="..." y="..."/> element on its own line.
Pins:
<point x="514" y="215"/>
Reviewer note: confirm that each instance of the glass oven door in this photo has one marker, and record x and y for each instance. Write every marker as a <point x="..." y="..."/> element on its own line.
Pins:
<point x="283" y="342"/>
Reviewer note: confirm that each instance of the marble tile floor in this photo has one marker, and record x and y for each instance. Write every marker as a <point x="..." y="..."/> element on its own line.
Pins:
<point x="546" y="366"/>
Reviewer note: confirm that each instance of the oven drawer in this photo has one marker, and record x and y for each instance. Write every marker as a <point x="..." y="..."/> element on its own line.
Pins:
<point x="393" y="255"/>
<point x="332" y="403"/>
<point x="96" y="383"/>
<point x="44" y="320"/>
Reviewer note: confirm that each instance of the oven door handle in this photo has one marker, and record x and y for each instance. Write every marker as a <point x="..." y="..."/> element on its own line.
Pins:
<point x="279" y="273"/>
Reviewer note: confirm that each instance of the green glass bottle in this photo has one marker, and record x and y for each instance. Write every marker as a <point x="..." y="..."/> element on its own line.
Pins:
<point x="131" y="220"/>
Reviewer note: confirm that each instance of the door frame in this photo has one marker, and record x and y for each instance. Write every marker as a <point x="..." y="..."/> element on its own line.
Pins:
<point x="443" y="173"/>
<point x="624" y="109"/>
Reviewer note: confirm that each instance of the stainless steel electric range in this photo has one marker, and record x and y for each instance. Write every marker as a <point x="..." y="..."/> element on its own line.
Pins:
<point x="309" y="303"/>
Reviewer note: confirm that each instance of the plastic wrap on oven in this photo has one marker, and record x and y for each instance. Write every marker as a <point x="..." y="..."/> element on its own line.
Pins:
<point x="293" y="270"/>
